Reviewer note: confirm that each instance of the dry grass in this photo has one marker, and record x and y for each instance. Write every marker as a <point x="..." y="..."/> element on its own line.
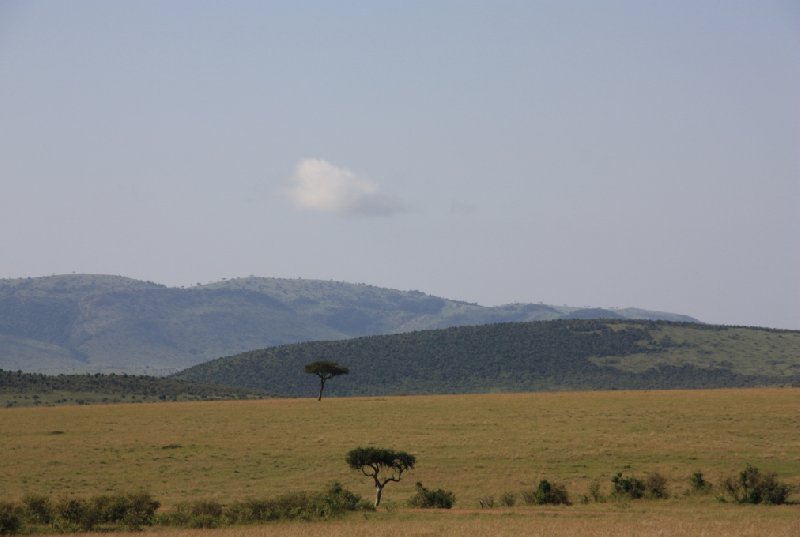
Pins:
<point x="592" y="521"/>
<point x="474" y="445"/>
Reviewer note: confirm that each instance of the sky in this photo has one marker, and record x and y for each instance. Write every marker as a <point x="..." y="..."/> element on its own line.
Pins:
<point x="606" y="154"/>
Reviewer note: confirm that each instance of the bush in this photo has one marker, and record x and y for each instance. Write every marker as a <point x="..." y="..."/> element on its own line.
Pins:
<point x="38" y="509"/>
<point x="73" y="514"/>
<point x="754" y="487"/>
<point x="130" y="510"/>
<point x="336" y="500"/>
<point x="333" y="501"/>
<point x="655" y="486"/>
<point x="546" y="493"/>
<point x="508" y="499"/>
<point x="432" y="499"/>
<point x="141" y="510"/>
<point x="629" y="487"/>
<point x="10" y="521"/>
<point x="197" y="514"/>
<point x="699" y="483"/>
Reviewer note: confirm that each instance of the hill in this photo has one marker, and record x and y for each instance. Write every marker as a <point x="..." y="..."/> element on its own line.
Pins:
<point x="91" y="323"/>
<point x="551" y="355"/>
<point x="33" y="389"/>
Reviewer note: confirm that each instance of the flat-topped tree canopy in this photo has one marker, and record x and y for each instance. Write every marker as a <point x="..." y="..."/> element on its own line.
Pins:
<point x="325" y="370"/>
<point x="376" y="462"/>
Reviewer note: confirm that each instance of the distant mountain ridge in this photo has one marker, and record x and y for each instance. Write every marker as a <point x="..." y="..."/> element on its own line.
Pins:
<point x="91" y="323"/>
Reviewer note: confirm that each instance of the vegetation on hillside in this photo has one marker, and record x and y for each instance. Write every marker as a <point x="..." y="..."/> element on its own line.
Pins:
<point x="33" y="389"/>
<point x="552" y="355"/>
<point x="99" y="323"/>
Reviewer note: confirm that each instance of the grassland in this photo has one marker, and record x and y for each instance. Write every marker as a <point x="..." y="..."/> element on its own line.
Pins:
<point x="606" y="520"/>
<point x="474" y="445"/>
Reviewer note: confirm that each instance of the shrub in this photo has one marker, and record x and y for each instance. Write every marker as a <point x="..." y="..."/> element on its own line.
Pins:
<point x="508" y="499"/>
<point x="205" y="508"/>
<point x="197" y="514"/>
<point x="754" y="487"/>
<point x="10" y="521"/>
<point x="105" y="508"/>
<point x="546" y="493"/>
<point x="245" y="512"/>
<point x="432" y="499"/>
<point x="289" y="506"/>
<point x="141" y="510"/>
<point x="629" y="487"/>
<point x="655" y="486"/>
<point x="129" y="510"/>
<point x="699" y="483"/>
<point x="333" y="501"/>
<point x="38" y="509"/>
<point x="73" y="514"/>
<point x="336" y="499"/>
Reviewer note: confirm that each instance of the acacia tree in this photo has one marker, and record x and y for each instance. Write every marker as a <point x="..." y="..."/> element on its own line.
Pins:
<point x="377" y="463"/>
<point x="325" y="370"/>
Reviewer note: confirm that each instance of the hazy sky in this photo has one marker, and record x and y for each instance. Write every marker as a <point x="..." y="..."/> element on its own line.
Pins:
<point x="635" y="153"/>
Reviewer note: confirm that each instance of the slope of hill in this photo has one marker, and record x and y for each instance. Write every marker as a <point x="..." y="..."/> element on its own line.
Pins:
<point x="32" y="389"/>
<point x="561" y="354"/>
<point x="91" y="323"/>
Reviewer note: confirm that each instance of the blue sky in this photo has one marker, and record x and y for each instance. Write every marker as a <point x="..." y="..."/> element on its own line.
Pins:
<point x="585" y="153"/>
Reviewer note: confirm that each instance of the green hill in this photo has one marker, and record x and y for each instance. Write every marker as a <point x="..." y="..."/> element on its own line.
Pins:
<point x="100" y="323"/>
<point x="33" y="389"/>
<point x="552" y="355"/>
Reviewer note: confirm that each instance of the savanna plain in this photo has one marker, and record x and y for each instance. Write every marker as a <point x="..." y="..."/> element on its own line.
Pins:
<point x="474" y="445"/>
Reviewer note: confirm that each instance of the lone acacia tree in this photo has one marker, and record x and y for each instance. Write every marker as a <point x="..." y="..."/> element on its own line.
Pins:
<point x="377" y="462"/>
<point x="325" y="371"/>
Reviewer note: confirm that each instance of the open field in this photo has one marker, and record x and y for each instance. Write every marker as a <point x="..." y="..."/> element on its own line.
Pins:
<point x="606" y="520"/>
<point x="475" y="445"/>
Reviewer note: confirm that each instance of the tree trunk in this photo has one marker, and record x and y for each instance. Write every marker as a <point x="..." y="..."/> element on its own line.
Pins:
<point x="321" y="387"/>
<point x="378" y="493"/>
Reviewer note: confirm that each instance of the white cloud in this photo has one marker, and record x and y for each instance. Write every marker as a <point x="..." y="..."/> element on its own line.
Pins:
<point x="318" y="185"/>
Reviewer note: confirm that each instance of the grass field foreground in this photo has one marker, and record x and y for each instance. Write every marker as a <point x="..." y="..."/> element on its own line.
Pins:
<point x="475" y="445"/>
<point x="607" y="520"/>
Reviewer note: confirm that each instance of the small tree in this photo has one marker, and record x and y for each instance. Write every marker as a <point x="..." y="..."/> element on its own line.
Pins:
<point x="325" y="370"/>
<point x="377" y="462"/>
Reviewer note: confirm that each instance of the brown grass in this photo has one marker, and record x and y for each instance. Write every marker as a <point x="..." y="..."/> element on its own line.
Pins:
<point x="474" y="445"/>
<point x="607" y="520"/>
